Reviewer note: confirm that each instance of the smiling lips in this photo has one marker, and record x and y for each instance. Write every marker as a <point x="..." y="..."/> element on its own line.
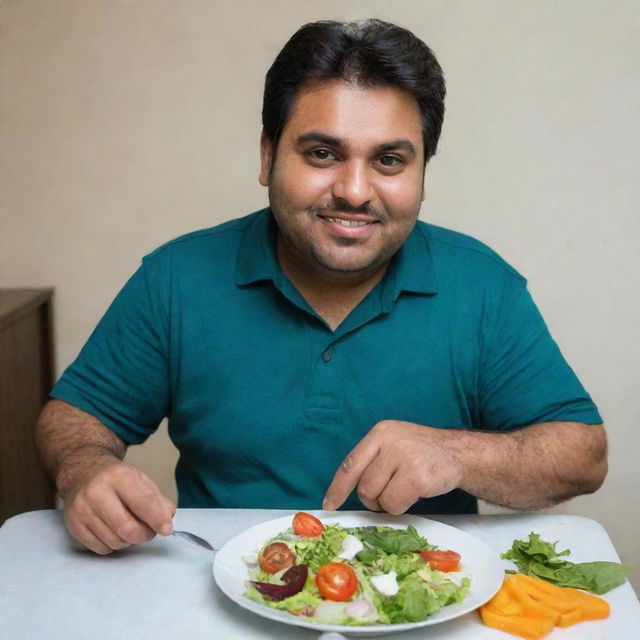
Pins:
<point x="349" y="223"/>
<point x="352" y="227"/>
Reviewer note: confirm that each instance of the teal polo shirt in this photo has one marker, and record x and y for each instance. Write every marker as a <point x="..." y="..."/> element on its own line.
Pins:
<point x="264" y="400"/>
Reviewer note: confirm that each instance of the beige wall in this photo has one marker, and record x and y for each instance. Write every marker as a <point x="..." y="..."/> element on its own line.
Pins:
<point x="127" y="123"/>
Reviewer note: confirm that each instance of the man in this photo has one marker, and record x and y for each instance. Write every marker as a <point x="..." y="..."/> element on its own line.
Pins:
<point x="331" y="342"/>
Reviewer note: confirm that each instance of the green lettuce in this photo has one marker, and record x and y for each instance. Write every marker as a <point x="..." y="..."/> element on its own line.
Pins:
<point x="391" y="540"/>
<point x="403" y="565"/>
<point x="421" y="593"/>
<point x="318" y="551"/>
<point x="417" y="599"/>
<point x="538" y="558"/>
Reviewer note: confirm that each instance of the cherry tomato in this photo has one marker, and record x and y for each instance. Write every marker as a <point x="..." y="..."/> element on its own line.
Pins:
<point x="304" y="524"/>
<point x="336" y="581"/>
<point x="442" y="560"/>
<point x="276" y="557"/>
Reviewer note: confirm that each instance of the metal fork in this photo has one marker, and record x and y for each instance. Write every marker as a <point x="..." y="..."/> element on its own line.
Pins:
<point x="194" y="539"/>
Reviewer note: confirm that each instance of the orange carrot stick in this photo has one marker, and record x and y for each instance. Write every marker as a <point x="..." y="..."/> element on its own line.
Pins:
<point x="522" y="626"/>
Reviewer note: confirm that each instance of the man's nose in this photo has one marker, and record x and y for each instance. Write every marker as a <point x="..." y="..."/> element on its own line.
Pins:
<point x="353" y="184"/>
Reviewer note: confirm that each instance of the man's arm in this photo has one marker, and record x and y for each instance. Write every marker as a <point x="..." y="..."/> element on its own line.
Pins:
<point x="397" y="463"/>
<point x="108" y="504"/>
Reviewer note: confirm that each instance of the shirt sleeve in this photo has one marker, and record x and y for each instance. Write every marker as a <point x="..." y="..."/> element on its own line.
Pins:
<point x="525" y="379"/>
<point x="121" y="376"/>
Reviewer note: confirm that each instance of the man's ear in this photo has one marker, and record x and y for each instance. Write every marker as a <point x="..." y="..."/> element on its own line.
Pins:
<point x="266" y="158"/>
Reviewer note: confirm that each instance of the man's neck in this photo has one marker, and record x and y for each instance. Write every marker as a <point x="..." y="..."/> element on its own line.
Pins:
<point x="332" y="299"/>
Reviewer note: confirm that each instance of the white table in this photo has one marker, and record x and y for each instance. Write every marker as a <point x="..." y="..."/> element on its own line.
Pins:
<point x="50" y="588"/>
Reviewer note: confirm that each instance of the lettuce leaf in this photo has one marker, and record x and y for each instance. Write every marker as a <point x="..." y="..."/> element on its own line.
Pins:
<point x="535" y="557"/>
<point x="317" y="551"/>
<point x="411" y="603"/>
<point x="416" y="600"/>
<point x="391" y="540"/>
<point x="403" y="565"/>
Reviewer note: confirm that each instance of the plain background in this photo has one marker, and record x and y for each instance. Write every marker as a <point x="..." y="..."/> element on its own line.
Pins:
<point x="126" y="123"/>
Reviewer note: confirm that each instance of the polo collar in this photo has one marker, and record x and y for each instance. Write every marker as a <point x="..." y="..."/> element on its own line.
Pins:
<point x="257" y="257"/>
<point x="411" y="269"/>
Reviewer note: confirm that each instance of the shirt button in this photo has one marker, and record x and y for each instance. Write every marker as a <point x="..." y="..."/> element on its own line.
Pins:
<point x="326" y="356"/>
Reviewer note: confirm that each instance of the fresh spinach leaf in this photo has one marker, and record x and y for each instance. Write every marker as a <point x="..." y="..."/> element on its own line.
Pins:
<point x="391" y="540"/>
<point x="535" y="557"/>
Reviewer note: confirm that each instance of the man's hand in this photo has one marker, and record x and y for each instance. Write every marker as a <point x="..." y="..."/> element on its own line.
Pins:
<point x="394" y="465"/>
<point x="536" y="466"/>
<point x="108" y="504"/>
<point x="115" y="506"/>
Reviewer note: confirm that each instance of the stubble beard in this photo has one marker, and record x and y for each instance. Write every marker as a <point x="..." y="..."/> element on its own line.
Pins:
<point x="333" y="267"/>
<point x="310" y="254"/>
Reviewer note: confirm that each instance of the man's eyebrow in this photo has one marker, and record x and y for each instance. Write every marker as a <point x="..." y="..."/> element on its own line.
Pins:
<point x="396" y="145"/>
<point x="322" y="138"/>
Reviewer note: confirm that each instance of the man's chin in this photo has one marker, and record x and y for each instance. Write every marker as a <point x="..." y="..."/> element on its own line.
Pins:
<point x="349" y="269"/>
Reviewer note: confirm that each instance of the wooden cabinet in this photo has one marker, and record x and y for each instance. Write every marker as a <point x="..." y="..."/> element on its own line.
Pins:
<point x="26" y="377"/>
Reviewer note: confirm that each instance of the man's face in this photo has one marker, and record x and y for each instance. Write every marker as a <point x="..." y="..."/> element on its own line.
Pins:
<point x="346" y="183"/>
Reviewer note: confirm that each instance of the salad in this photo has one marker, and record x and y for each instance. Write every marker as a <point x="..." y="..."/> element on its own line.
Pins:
<point x="331" y="574"/>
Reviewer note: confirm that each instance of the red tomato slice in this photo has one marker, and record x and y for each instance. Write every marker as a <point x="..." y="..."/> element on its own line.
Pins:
<point x="336" y="581"/>
<point x="276" y="557"/>
<point x="304" y="524"/>
<point x="442" y="560"/>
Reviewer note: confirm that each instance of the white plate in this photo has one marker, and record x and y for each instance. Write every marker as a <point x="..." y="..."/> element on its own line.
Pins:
<point x="479" y="562"/>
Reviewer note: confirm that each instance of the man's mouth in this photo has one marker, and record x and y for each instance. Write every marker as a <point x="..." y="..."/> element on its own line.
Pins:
<point x="350" y="223"/>
<point x="350" y="227"/>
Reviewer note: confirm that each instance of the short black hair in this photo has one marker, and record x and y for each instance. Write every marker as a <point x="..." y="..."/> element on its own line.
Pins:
<point x="369" y="53"/>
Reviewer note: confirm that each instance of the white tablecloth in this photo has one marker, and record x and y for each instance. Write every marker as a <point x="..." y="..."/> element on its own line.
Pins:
<point x="50" y="588"/>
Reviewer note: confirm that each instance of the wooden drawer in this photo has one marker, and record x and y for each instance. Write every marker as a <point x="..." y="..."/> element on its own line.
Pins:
<point x="26" y="377"/>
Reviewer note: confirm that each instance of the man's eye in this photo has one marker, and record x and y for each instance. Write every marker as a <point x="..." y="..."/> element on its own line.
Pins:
<point x="321" y="155"/>
<point x="389" y="161"/>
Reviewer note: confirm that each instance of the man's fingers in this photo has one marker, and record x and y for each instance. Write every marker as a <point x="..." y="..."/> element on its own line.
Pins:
<point x="85" y="536"/>
<point x="398" y="495"/>
<point x="373" y="481"/>
<point x="111" y="497"/>
<point x="349" y="472"/>
<point x="118" y="506"/>
<point x="107" y="520"/>
<point x="120" y="521"/>
<point x="148" y="504"/>
<point x="105" y="534"/>
<point x="94" y="534"/>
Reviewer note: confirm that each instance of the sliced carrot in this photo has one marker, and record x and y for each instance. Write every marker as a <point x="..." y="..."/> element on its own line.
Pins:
<point x="522" y="626"/>
<point x="571" y="617"/>
<point x="503" y="604"/>
<point x="530" y="607"/>
<point x="555" y="598"/>
<point x="593" y="607"/>
<point x="552" y="589"/>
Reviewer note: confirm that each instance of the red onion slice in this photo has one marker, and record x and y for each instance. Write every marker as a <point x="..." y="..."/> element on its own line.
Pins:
<point x="294" y="577"/>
